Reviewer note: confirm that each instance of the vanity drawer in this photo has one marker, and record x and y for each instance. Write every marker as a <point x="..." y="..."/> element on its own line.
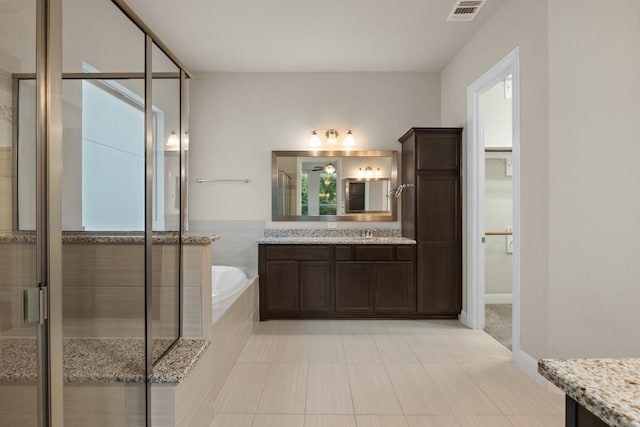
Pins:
<point x="344" y="253"/>
<point x="374" y="253"/>
<point x="405" y="253"/>
<point x="298" y="252"/>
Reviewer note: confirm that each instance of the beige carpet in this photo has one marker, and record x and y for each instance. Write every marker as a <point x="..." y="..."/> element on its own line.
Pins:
<point x="497" y="322"/>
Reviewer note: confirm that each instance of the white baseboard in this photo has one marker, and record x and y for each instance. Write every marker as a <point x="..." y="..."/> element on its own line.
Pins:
<point x="530" y="366"/>
<point x="463" y="318"/>
<point x="498" y="298"/>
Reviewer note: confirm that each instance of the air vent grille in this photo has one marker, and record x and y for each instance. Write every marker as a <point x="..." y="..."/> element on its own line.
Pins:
<point x="466" y="10"/>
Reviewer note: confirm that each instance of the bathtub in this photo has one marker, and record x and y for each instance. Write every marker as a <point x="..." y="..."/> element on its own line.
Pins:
<point x="227" y="284"/>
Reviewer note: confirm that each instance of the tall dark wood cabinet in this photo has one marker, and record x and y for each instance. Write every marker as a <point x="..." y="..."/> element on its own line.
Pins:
<point x="432" y="215"/>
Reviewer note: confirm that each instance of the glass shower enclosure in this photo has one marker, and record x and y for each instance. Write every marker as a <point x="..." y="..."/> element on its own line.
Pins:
<point x="93" y="132"/>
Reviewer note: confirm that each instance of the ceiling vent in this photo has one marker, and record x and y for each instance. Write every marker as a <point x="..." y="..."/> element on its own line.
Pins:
<point x="466" y="10"/>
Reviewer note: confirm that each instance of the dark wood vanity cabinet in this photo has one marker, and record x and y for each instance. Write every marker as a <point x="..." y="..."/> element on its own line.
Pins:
<point x="432" y="215"/>
<point x="343" y="281"/>
<point x="299" y="278"/>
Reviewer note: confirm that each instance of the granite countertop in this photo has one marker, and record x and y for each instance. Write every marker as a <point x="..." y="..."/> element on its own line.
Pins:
<point x="101" y="360"/>
<point x="342" y="240"/>
<point x="609" y="388"/>
<point x="111" y="238"/>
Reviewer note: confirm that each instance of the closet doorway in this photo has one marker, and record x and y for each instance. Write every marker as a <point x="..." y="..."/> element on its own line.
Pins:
<point x="493" y="200"/>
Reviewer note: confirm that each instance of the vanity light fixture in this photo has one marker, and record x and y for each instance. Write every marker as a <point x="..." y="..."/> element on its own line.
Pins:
<point x="315" y="140"/>
<point x="332" y="138"/>
<point x="378" y="172"/>
<point x="349" y="140"/>
<point x="173" y="142"/>
<point x="368" y="172"/>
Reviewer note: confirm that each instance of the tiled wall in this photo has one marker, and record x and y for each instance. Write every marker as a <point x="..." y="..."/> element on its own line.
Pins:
<point x="17" y="272"/>
<point x="87" y="405"/>
<point x="237" y="245"/>
<point x="190" y="403"/>
<point x="103" y="289"/>
<point x="6" y="191"/>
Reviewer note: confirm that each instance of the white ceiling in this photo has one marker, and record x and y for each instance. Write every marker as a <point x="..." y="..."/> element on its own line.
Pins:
<point x="310" y="35"/>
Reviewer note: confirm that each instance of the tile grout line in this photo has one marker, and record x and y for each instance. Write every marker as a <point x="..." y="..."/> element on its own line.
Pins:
<point x="353" y="408"/>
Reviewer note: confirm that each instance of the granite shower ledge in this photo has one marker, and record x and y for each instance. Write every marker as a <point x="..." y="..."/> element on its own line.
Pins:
<point x="112" y="239"/>
<point x="609" y="388"/>
<point x="101" y="360"/>
<point x="336" y="241"/>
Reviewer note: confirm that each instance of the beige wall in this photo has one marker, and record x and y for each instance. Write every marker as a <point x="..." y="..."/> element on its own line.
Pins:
<point x="524" y="24"/>
<point x="237" y="119"/>
<point x="594" y="196"/>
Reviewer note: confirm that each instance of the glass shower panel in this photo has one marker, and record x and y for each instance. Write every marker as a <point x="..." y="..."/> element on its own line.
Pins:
<point x="103" y="203"/>
<point x="166" y="202"/>
<point x="18" y="265"/>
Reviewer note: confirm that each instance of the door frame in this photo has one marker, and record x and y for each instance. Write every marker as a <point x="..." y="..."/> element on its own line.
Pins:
<point x="475" y="305"/>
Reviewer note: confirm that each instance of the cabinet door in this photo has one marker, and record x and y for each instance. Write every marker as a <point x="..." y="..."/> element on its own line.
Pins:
<point x="438" y="200"/>
<point x="354" y="287"/>
<point x="315" y="286"/>
<point x="395" y="287"/>
<point x="438" y="284"/>
<point x="439" y="244"/>
<point x="282" y="286"/>
<point x="438" y="151"/>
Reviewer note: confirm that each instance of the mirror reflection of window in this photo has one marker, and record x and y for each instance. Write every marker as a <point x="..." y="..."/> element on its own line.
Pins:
<point x="313" y="185"/>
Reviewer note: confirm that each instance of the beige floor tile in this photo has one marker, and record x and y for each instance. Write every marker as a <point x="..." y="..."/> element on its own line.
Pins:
<point x="459" y="390"/>
<point x="329" y="421"/>
<point x="259" y="348"/>
<point x="241" y="393"/>
<point x="484" y="421"/>
<point x="326" y="349"/>
<point x="432" y="421"/>
<point x="292" y="349"/>
<point x="537" y="420"/>
<point x="484" y="344"/>
<point x="371" y="390"/>
<point x="285" y="389"/>
<point x="361" y="349"/>
<point x="328" y="390"/>
<point x="432" y="348"/>
<point x="235" y="420"/>
<point x="278" y="420"/>
<point x="511" y="389"/>
<point x="381" y="421"/>
<point x="395" y="349"/>
<point x="416" y="392"/>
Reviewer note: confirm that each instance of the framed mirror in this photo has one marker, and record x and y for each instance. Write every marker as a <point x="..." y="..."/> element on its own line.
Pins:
<point x="333" y="185"/>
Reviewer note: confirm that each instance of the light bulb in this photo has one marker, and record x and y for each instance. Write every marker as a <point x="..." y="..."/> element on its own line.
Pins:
<point x="349" y="140"/>
<point x="315" y="139"/>
<point x="173" y="142"/>
<point x="378" y="172"/>
<point x="368" y="172"/>
<point x="332" y="138"/>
